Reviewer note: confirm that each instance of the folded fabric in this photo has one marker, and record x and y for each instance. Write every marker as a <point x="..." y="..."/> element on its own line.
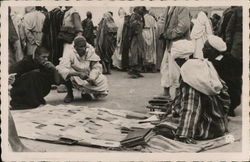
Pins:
<point x="217" y="43"/>
<point x="201" y="75"/>
<point x="182" y="49"/>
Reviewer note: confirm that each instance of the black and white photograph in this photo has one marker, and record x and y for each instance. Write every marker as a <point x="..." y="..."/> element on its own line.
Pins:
<point x="124" y="79"/>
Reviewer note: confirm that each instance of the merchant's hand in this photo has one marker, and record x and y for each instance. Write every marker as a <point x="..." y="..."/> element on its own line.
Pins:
<point x="83" y="76"/>
<point x="49" y="65"/>
<point x="91" y="81"/>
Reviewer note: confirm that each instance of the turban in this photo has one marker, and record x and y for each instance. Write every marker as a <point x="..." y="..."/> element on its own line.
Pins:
<point x="182" y="49"/>
<point x="217" y="43"/>
<point x="79" y="41"/>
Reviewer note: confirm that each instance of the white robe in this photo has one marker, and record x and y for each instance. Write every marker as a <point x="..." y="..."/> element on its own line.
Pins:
<point x="200" y="31"/>
<point x="72" y="62"/>
<point x="117" y="56"/>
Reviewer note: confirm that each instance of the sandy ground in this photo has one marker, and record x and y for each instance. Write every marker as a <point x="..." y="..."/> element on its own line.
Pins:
<point x="128" y="94"/>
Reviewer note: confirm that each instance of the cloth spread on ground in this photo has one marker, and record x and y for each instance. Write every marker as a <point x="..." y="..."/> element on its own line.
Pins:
<point x="98" y="127"/>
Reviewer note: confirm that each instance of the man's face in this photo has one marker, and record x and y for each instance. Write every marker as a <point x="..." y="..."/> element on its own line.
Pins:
<point x="80" y="49"/>
<point x="42" y="58"/>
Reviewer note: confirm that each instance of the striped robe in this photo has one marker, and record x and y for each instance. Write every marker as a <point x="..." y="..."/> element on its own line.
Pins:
<point x="201" y="116"/>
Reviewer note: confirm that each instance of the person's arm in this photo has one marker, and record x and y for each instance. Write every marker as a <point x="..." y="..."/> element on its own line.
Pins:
<point x="77" y="22"/>
<point x="65" y="69"/>
<point x="96" y="70"/>
<point x="28" y="27"/>
<point x="182" y="27"/>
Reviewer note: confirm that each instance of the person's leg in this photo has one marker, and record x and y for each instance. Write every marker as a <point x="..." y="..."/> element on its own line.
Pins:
<point x="14" y="140"/>
<point x="132" y="72"/>
<point x="108" y="65"/>
<point x="138" y="70"/>
<point x="69" y="97"/>
<point x="166" y="92"/>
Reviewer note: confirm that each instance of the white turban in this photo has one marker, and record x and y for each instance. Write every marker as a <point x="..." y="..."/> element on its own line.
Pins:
<point x="217" y="43"/>
<point x="182" y="49"/>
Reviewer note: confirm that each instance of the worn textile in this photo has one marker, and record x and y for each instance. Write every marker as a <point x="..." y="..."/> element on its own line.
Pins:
<point x="149" y="35"/>
<point x="72" y="19"/>
<point x="20" y="43"/>
<point x="71" y="22"/>
<point x="88" y="64"/>
<point x="106" y="40"/>
<point x="207" y="82"/>
<point x="51" y="29"/>
<point x="125" y="42"/>
<point x="201" y="116"/>
<point x="217" y="43"/>
<point x="33" y="25"/>
<point x="182" y="49"/>
<point x="13" y="37"/>
<point x="136" y="50"/>
<point x="230" y="70"/>
<point x="177" y="26"/>
<point x="33" y="82"/>
<point x="234" y="33"/>
<point x="160" y="44"/>
<point x="200" y="31"/>
<point x="117" y="57"/>
<point x="88" y="30"/>
<point x="224" y="22"/>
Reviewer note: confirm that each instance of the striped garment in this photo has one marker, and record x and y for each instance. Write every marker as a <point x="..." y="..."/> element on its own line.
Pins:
<point x="201" y="116"/>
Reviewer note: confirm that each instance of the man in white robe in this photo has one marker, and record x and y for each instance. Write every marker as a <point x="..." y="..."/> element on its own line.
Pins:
<point x="80" y="68"/>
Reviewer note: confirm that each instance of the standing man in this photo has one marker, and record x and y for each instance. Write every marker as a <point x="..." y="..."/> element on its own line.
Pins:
<point x="33" y="25"/>
<point x="234" y="42"/>
<point x="88" y="28"/>
<point x="177" y="26"/>
<point x="136" y="50"/>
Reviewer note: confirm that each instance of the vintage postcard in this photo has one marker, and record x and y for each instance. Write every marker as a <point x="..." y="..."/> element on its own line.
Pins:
<point x="125" y="80"/>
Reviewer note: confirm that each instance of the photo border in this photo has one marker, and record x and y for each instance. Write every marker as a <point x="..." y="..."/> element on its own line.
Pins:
<point x="7" y="155"/>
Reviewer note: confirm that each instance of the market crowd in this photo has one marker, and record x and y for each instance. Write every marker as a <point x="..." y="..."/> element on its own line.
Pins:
<point x="199" y="58"/>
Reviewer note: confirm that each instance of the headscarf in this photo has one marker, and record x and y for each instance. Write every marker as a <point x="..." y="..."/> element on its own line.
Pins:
<point x="107" y="16"/>
<point x="217" y="43"/>
<point x="121" y="12"/>
<point x="182" y="49"/>
<point x="109" y="21"/>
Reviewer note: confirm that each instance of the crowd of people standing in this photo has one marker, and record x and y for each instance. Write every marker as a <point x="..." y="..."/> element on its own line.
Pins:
<point x="137" y="42"/>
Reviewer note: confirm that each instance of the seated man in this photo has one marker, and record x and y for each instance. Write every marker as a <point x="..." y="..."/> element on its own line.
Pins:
<point x="229" y="69"/>
<point x="34" y="77"/>
<point x="200" y="113"/>
<point x="81" y="69"/>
